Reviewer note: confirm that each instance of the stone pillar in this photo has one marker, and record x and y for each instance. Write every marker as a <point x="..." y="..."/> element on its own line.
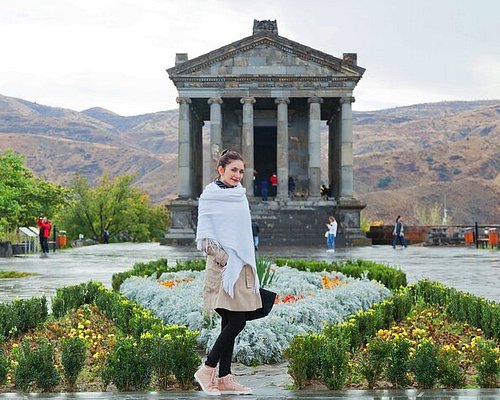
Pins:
<point x="184" y="178"/>
<point x="282" y="147"/>
<point x="314" y="146"/>
<point x="247" y="143"/>
<point x="346" y="156"/>
<point x="332" y="156"/>
<point x="196" y="168"/>
<point x="215" y="132"/>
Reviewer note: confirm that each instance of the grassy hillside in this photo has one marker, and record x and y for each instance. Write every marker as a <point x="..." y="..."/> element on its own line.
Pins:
<point x="405" y="157"/>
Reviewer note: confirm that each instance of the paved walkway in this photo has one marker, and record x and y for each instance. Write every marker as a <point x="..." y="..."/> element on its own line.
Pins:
<point x="468" y="269"/>
<point x="465" y="394"/>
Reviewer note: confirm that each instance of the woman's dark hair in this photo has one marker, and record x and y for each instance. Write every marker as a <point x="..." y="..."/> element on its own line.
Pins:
<point x="397" y="219"/>
<point x="227" y="156"/>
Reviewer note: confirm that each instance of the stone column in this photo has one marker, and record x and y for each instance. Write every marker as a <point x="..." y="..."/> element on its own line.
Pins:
<point x="184" y="179"/>
<point x="247" y="143"/>
<point x="282" y="147"/>
<point x="314" y="146"/>
<point x="215" y="132"/>
<point x="346" y="156"/>
<point x="332" y="156"/>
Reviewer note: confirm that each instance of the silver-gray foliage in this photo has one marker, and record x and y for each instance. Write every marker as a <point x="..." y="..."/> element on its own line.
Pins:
<point x="262" y="341"/>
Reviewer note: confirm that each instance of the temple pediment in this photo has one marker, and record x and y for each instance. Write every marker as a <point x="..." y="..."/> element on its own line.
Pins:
<point x="266" y="55"/>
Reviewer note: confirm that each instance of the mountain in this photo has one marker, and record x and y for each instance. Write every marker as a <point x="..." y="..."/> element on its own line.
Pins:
<point x="428" y="154"/>
<point x="406" y="157"/>
<point x="59" y="143"/>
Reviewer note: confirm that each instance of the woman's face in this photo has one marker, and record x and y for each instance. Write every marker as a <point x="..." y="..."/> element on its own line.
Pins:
<point x="232" y="173"/>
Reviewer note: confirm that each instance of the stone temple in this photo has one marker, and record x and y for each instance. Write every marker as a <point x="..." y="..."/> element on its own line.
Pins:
<point x="271" y="99"/>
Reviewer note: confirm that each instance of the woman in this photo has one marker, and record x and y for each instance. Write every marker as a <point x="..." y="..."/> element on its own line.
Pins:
<point x="332" y="234"/>
<point x="398" y="233"/>
<point x="231" y="287"/>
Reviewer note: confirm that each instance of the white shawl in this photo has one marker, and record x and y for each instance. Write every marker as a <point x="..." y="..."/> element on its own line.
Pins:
<point x="224" y="218"/>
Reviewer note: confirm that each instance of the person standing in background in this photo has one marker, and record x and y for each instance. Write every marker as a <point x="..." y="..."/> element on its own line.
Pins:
<point x="291" y="187"/>
<point x="399" y="233"/>
<point x="255" y="234"/>
<point x="332" y="234"/>
<point x="273" y="180"/>
<point x="44" y="227"/>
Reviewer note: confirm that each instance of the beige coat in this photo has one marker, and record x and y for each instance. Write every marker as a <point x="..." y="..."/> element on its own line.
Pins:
<point x="214" y="296"/>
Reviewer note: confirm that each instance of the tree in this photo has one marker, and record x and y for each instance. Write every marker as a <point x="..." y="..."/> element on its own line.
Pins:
<point x="429" y="214"/>
<point x="23" y="197"/>
<point x="115" y="206"/>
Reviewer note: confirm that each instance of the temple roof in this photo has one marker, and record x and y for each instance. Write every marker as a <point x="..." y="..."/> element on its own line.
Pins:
<point x="265" y="54"/>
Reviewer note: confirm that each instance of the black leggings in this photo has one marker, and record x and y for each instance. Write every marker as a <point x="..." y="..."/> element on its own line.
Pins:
<point x="232" y="324"/>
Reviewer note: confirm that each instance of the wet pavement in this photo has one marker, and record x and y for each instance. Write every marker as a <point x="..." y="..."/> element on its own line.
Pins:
<point x="464" y="394"/>
<point x="464" y="268"/>
<point x="467" y="269"/>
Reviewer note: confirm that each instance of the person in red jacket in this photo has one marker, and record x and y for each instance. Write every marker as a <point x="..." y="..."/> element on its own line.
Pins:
<point x="273" y="180"/>
<point x="44" y="226"/>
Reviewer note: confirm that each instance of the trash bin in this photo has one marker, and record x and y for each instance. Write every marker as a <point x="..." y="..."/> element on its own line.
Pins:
<point x="469" y="237"/>
<point x="493" y="238"/>
<point x="62" y="239"/>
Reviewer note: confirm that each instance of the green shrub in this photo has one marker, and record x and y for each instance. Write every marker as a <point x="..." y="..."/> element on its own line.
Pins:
<point x="451" y="373"/>
<point x="21" y="315"/>
<point x="73" y="356"/>
<point x="334" y="359"/>
<point x="303" y="357"/>
<point x="158" y="349"/>
<point x="36" y="366"/>
<point x="185" y="358"/>
<point x="398" y="368"/>
<point x="72" y="297"/>
<point x="362" y="326"/>
<point x="461" y="306"/>
<point x="425" y="364"/>
<point x="127" y="367"/>
<point x="384" y="182"/>
<point x="487" y="362"/>
<point x="4" y="368"/>
<point x="374" y="360"/>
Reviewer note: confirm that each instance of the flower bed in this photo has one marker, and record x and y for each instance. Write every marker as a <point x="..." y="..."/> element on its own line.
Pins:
<point x="426" y="347"/>
<point x="308" y="301"/>
<point x="113" y="340"/>
<point x="389" y="276"/>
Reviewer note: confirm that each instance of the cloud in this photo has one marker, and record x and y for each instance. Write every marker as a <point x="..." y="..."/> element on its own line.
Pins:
<point x="115" y="52"/>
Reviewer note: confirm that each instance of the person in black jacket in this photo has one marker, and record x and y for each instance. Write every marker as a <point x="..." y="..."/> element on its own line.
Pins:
<point x="255" y="233"/>
<point x="398" y="233"/>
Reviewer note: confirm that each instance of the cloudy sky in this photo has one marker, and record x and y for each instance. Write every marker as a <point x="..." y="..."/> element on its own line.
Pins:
<point x="113" y="53"/>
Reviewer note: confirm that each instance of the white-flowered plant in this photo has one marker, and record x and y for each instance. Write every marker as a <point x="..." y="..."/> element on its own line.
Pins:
<point x="309" y="308"/>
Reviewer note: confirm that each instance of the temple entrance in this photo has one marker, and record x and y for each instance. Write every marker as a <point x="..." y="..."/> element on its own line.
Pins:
<point x="265" y="145"/>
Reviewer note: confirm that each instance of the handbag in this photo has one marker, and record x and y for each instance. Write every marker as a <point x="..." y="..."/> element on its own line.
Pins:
<point x="326" y="234"/>
<point x="268" y="299"/>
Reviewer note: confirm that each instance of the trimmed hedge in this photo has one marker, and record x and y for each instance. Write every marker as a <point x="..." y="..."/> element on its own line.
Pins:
<point x="389" y="276"/>
<point x="363" y="326"/>
<point x="21" y="315"/>
<point x="140" y="325"/>
<point x="129" y="317"/>
<point x="462" y="306"/>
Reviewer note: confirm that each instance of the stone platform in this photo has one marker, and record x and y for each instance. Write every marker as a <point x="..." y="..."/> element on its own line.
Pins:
<point x="283" y="222"/>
